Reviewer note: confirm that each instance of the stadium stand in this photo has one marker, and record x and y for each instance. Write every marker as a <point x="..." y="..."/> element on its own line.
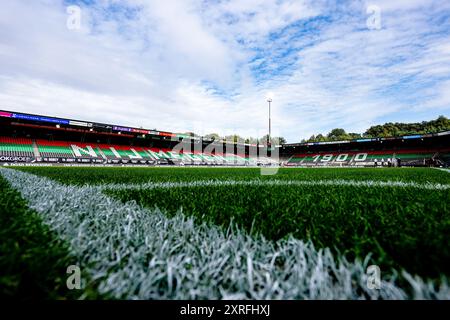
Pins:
<point x="72" y="150"/>
<point x="120" y="153"/>
<point x="369" y="158"/>
<point x="54" y="149"/>
<point x="445" y="160"/>
<point x="445" y="156"/>
<point x="341" y="158"/>
<point x="416" y="157"/>
<point x="33" y="138"/>
<point x="16" y="147"/>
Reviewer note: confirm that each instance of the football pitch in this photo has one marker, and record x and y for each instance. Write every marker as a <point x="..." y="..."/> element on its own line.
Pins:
<point x="225" y="233"/>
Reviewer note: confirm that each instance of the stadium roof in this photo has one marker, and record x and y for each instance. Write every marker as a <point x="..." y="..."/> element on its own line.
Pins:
<point x="94" y="125"/>
<point x="415" y="136"/>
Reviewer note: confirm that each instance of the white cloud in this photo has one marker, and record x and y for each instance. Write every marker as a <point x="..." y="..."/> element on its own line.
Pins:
<point x="206" y="66"/>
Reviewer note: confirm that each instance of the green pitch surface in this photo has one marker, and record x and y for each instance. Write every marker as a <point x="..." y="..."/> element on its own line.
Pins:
<point x="398" y="219"/>
<point x="101" y="175"/>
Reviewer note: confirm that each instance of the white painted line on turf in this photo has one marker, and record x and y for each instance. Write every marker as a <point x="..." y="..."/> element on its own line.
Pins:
<point x="338" y="183"/>
<point x="138" y="253"/>
<point x="443" y="169"/>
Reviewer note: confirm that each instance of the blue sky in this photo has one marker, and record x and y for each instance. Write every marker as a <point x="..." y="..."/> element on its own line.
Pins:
<point x="207" y="66"/>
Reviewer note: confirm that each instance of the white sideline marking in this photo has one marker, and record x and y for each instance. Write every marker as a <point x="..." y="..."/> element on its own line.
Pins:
<point x="443" y="169"/>
<point x="138" y="253"/>
<point x="207" y="183"/>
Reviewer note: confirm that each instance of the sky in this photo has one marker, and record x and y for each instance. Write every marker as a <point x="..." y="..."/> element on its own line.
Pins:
<point x="208" y="66"/>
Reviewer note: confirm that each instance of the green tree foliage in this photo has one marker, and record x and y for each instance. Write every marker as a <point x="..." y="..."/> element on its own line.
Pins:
<point x="400" y="129"/>
<point x="213" y="136"/>
<point x="234" y="138"/>
<point x="336" y="134"/>
<point x="274" y="140"/>
<point x="386" y="130"/>
<point x="251" y="140"/>
<point x="190" y="134"/>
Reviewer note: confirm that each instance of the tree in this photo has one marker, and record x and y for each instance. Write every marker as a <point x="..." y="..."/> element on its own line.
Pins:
<point x="336" y="134"/>
<point x="281" y="140"/>
<point x="213" y="136"/>
<point x="263" y="139"/>
<point x="388" y="129"/>
<point x="191" y="134"/>
<point x="355" y="136"/>
<point x="251" y="140"/>
<point x="273" y="140"/>
<point x="400" y="129"/>
<point x="234" y="138"/>
<point x="320" y="138"/>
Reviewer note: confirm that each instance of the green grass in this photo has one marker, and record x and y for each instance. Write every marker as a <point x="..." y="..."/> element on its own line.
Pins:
<point x="33" y="261"/>
<point x="101" y="175"/>
<point x="400" y="226"/>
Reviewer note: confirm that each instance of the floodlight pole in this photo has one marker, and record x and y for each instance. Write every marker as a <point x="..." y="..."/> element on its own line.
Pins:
<point x="269" y="100"/>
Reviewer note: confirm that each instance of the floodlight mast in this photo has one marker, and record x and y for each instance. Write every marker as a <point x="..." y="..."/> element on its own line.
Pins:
<point x="269" y="100"/>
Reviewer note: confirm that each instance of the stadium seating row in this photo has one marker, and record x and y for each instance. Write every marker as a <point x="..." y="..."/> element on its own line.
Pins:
<point x="45" y="149"/>
<point x="62" y="149"/>
<point x="418" y="157"/>
<point x="11" y="147"/>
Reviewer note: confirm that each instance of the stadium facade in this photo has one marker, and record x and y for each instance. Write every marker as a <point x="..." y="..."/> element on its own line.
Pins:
<point x="430" y="150"/>
<point x="30" y="138"/>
